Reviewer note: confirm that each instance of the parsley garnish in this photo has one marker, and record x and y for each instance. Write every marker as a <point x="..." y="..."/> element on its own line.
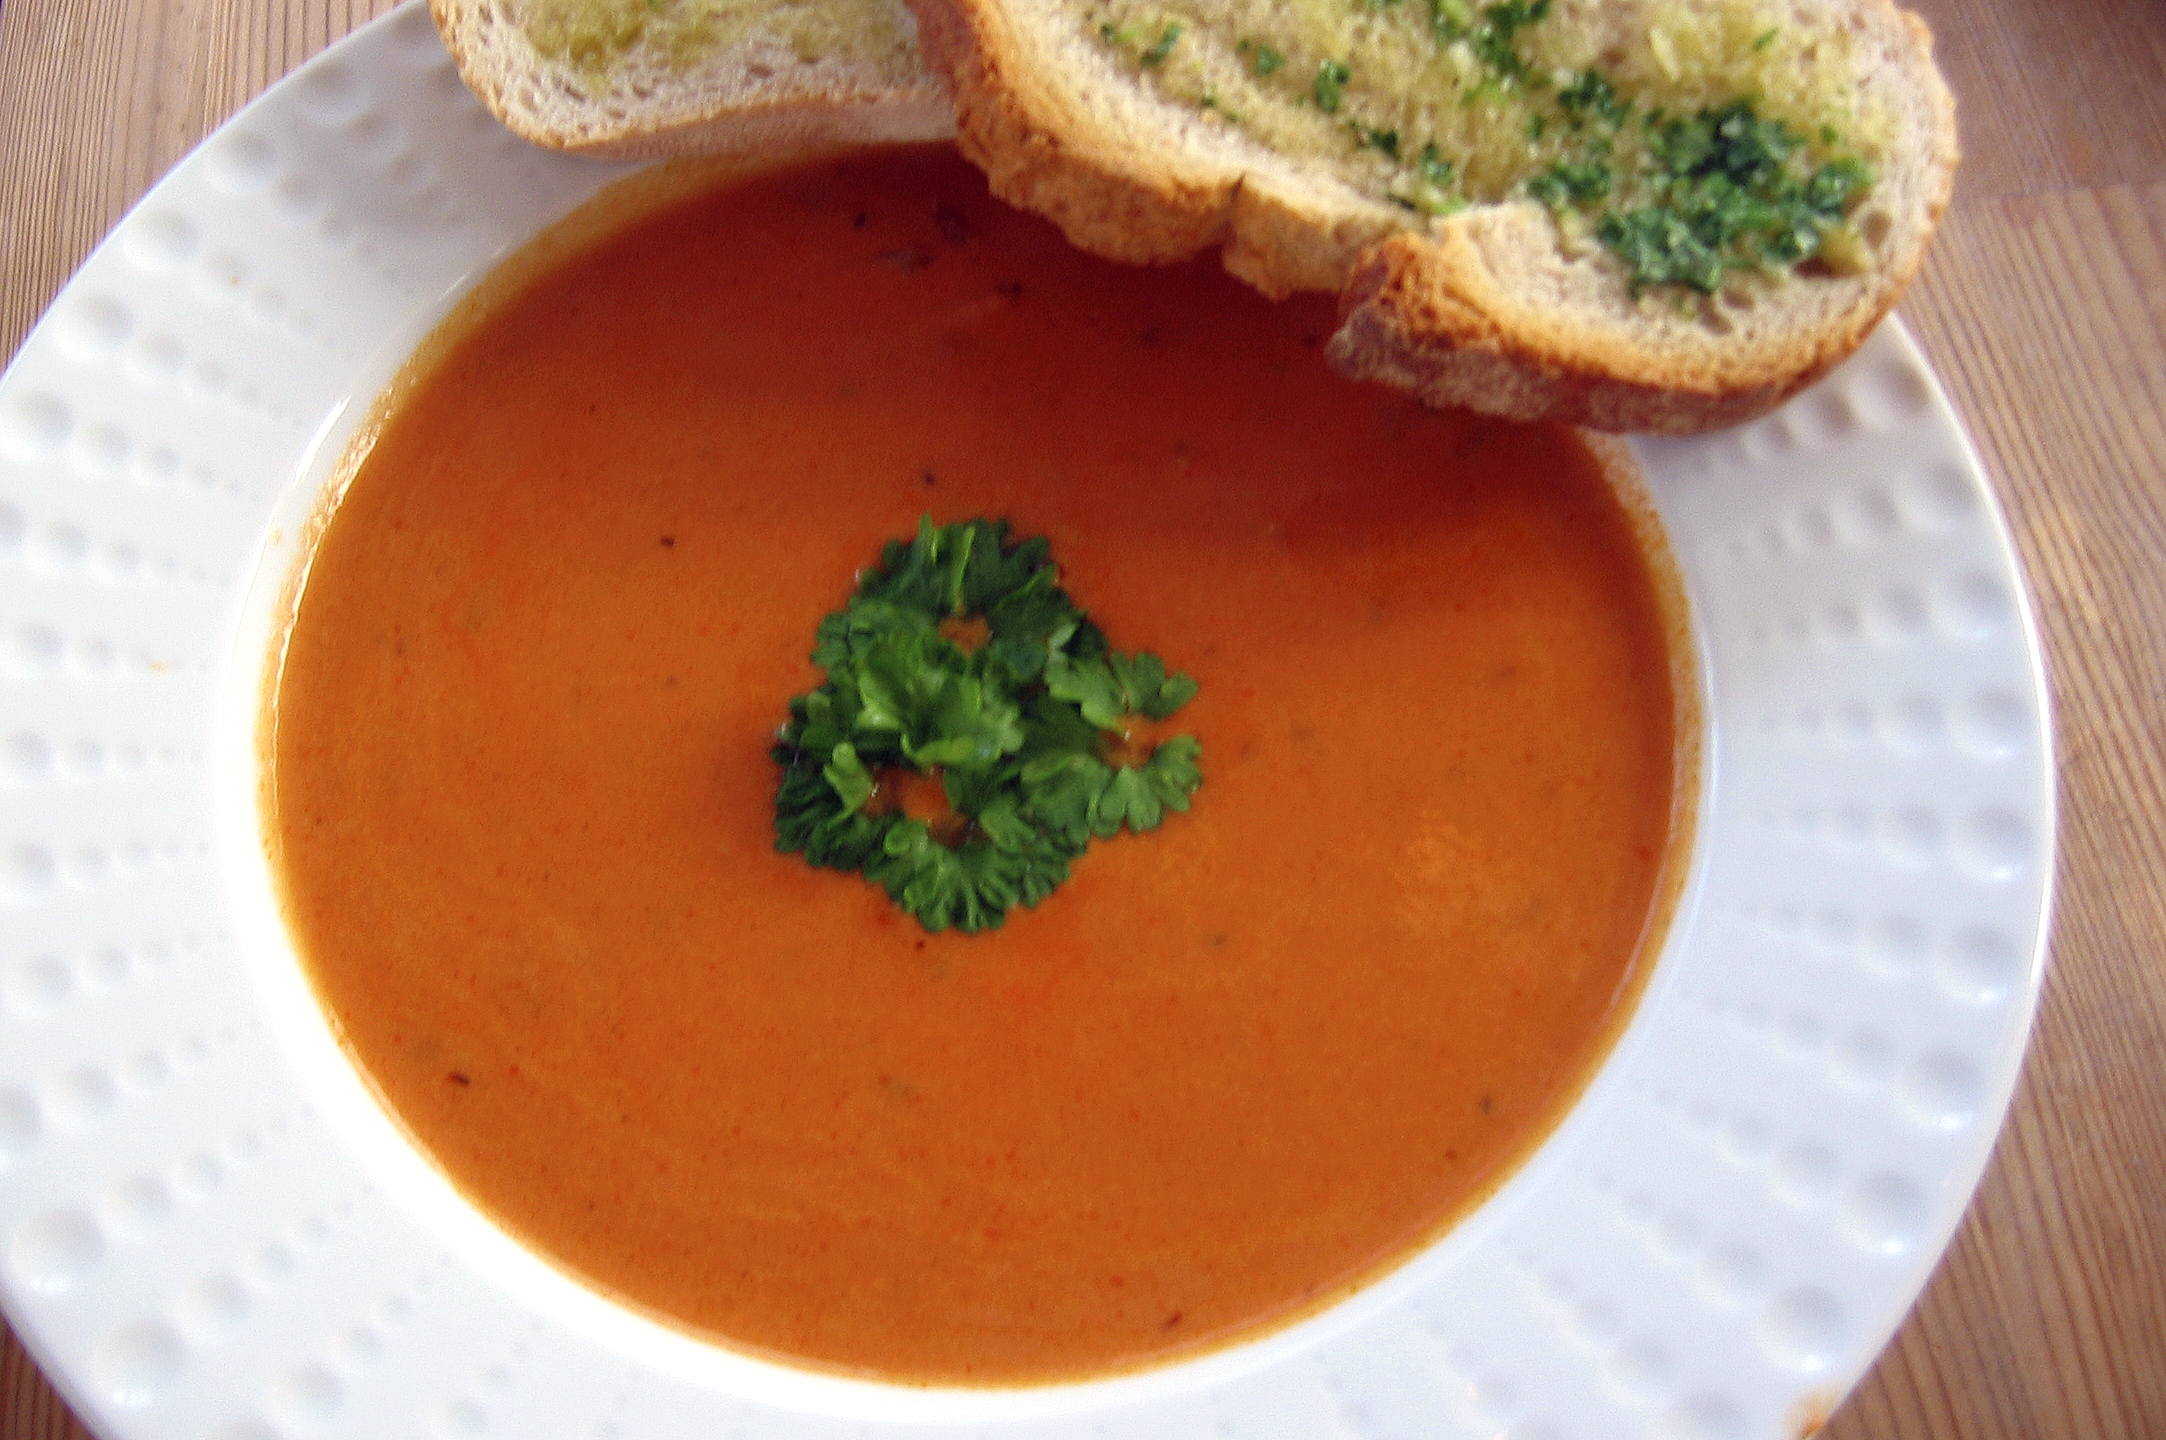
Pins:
<point x="974" y="733"/>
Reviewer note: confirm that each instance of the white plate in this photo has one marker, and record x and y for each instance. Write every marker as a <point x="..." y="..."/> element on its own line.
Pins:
<point x="208" y="1230"/>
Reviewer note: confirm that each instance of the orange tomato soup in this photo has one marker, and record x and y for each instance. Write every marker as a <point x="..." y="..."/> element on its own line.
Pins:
<point x="519" y="797"/>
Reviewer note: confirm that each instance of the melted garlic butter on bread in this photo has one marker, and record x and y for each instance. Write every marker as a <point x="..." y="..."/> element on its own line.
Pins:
<point x="640" y="79"/>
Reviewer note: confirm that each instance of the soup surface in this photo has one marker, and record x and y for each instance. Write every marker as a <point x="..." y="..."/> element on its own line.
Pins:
<point x="521" y="806"/>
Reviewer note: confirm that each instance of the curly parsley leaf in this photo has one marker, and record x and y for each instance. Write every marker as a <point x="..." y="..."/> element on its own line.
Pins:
<point x="922" y="689"/>
<point x="812" y="816"/>
<point x="969" y="887"/>
<point x="1112" y="686"/>
<point x="853" y="783"/>
<point x="1063" y="794"/>
<point x="1139" y="796"/>
<point x="1085" y="776"/>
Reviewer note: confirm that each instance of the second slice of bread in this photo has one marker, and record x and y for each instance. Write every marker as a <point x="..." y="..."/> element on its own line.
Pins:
<point x="1093" y="113"/>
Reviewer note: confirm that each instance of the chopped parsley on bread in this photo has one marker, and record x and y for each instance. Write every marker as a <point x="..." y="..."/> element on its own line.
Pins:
<point x="1659" y="215"/>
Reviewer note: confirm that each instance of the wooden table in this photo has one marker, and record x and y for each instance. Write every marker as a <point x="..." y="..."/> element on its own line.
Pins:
<point x="2043" y="307"/>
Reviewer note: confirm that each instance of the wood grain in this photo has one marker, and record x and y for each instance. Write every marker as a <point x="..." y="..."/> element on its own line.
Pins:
<point x="2042" y="306"/>
<point x="2043" y="314"/>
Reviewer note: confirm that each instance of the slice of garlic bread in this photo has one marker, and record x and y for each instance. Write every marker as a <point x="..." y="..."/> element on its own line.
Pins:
<point x="1631" y="214"/>
<point x="643" y="79"/>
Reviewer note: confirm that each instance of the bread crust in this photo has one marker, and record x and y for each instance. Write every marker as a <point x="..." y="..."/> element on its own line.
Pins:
<point x="1484" y="308"/>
